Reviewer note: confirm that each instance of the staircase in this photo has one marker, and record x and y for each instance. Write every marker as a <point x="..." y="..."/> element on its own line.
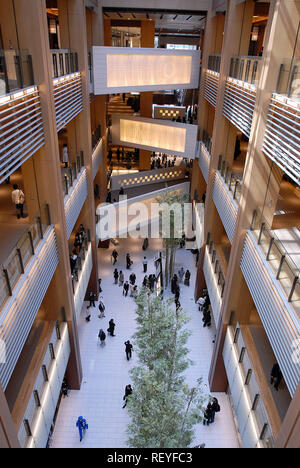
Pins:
<point x="117" y="106"/>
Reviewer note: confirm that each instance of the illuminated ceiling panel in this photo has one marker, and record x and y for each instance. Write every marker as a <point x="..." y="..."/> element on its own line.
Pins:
<point x="141" y="70"/>
<point x="153" y="134"/>
<point x="124" y="69"/>
<point x="150" y="134"/>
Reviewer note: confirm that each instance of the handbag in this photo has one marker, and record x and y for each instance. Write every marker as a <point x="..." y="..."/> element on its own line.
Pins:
<point x="21" y="198"/>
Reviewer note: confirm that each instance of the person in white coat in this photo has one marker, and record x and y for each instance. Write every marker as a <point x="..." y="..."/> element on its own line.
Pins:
<point x="18" y="198"/>
<point x="65" y="155"/>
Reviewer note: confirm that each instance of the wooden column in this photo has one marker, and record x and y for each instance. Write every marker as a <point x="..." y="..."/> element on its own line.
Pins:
<point x="146" y="98"/>
<point x="8" y="434"/>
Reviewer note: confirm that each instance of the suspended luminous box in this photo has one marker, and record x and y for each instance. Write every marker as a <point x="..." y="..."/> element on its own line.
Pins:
<point x="156" y="135"/>
<point x="125" y="69"/>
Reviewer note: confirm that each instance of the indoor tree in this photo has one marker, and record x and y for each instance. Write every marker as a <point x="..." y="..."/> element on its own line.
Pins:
<point x="163" y="409"/>
<point x="172" y="220"/>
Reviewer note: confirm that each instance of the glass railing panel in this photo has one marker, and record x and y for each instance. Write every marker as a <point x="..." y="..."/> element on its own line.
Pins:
<point x="288" y="78"/>
<point x="16" y="71"/>
<point x="16" y="262"/>
<point x="64" y="62"/>
<point x="246" y="68"/>
<point x="286" y="270"/>
<point x="13" y="268"/>
<point x="25" y="248"/>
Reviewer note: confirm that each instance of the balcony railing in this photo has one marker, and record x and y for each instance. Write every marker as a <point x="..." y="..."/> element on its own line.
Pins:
<point x="40" y="411"/>
<point x="225" y="204"/>
<point x="96" y="137"/>
<point x="214" y="277"/>
<point x="69" y="175"/>
<point x="74" y="200"/>
<point x="137" y="179"/>
<point x="204" y="160"/>
<point x="278" y="257"/>
<point x="67" y="98"/>
<point x="21" y="129"/>
<point x="81" y="277"/>
<point x="239" y="102"/>
<point x="278" y="316"/>
<point x="232" y="179"/>
<point x="23" y="303"/>
<point x="281" y="141"/>
<point x="288" y="79"/>
<point x="214" y="62"/>
<point x="16" y="70"/>
<point x="246" y="69"/>
<point x="15" y="265"/>
<point x="64" y="62"/>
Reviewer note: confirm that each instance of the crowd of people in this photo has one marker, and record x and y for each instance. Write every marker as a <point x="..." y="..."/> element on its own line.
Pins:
<point x="162" y="160"/>
<point x="80" y="238"/>
<point x="182" y="277"/>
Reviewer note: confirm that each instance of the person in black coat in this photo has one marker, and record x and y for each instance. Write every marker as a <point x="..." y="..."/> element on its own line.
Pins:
<point x="128" y="349"/>
<point x="132" y="278"/>
<point x="116" y="276"/>
<point x="187" y="278"/>
<point x="128" y="392"/>
<point x="111" y="327"/>
<point x="128" y="261"/>
<point x="125" y="289"/>
<point x="92" y="299"/>
<point x="215" y="408"/>
<point x="207" y="414"/>
<point x="276" y="376"/>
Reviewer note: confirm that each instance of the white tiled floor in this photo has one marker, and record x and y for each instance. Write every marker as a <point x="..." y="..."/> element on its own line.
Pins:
<point x="105" y="367"/>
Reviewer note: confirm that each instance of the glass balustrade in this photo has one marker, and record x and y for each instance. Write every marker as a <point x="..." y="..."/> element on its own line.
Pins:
<point x="16" y="71"/>
<point x="286" y="270"/>
<point x="15" y="264"/>
<point x="246" y="68"/>
<point x="214" y="62"/>
<point x="288" y="83"/>
<point x="232" y="179"/>
<point x="70" y="174"/>
<point x="64" y="62"/>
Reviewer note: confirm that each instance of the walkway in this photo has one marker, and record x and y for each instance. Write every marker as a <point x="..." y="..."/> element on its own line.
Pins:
<point x="106" y="369"/>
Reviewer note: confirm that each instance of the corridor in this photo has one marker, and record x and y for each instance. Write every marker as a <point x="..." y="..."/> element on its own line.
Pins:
<point x="105" y="368"/>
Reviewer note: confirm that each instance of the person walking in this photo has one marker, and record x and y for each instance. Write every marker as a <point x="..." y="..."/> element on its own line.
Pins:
<point x="82" y="426"/>
<point x="128" y="392"/>
<point x="132" y="278"/>
<point x="276" y="376"/>
<point x="92" y="299"/>
<point x="128" y="350"/>
<point x="125" y="289"/>
<point x="206" y="318"/>
<point x="102" y="336"/>
<point x="114" y="256"/>
<point x="207" y="414"/>
<point x="128" y="261"/>
<point x="121" y="278"/>
<point x="178" y="305"/>
<point x="151" y="282"/>
<point x="187" y="278"/>
<point x="181" y="274"/>
<point x="18" y="198"/>
<point x="145" y="264"/>
<point x="177" y="293"/>
<point x="73" y="261"/>
<point x="111" y="327"/>
<point x="215" y="408"/>
<point x="145" y="281"/>
<point x="65" y="155"/>
<point x="174" y="284"/>
<point x="116" y="275"/>
<point x="101" y="308"/>
<point x="145" y="243"/>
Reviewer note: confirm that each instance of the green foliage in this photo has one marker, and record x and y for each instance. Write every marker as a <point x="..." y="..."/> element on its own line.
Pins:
<point x="163" y="408"/>
<point x="172" y="226"/>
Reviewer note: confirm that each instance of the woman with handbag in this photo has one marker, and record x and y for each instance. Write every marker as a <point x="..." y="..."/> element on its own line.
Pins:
<point x="18" y="198"/>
